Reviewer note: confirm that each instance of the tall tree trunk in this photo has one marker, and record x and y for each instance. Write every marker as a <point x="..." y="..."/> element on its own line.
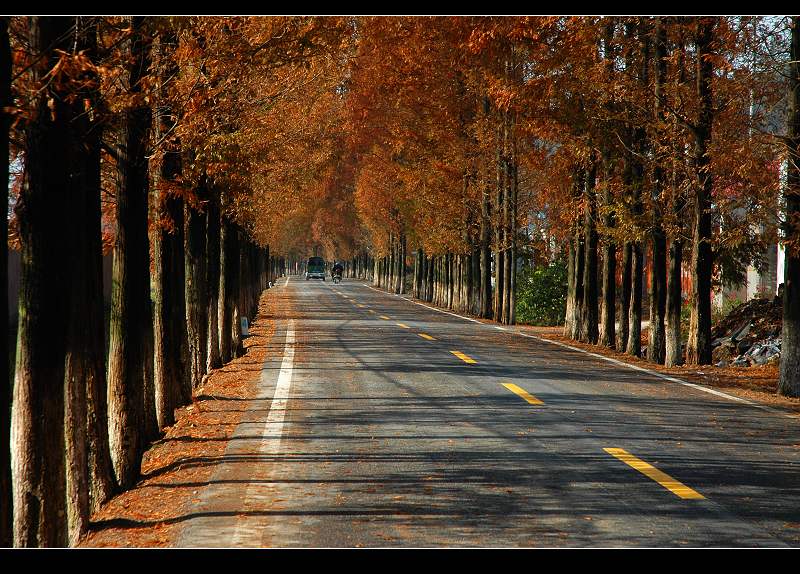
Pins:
<point x="673" y="353"/>
<point x="90" y="479"/>
<point x="477" y="280"/>
<point x="789" y="382"/>
<point x="634" y="346"/>
<point x="171" y="381"/>
<point x="37" y="431"/>
<point x="512" y="287"/>
<point x="590" y="329"/>
<point x="486" y="258"/>
<point x="225" y="320"/>
<point x="213" y="355"/>
<point x="698" y="349"/>
<point x="639" y="145"/>
<point x="578" y="304"/>
<point x="505" y="277"/>
<point x="194" y="241"/>
<point x="499" y="258"/>
<point x="625" y="296"/>
<point x="569" y="315"/>
<point x="609" y="294"/>
<point x="130" y="296"/>
<point x="234" y="289"/>
<point x="656" y="346"/>
<point x="6" y="511"/>
<point x="402" y="264"/>
<point x="608" y="313"/>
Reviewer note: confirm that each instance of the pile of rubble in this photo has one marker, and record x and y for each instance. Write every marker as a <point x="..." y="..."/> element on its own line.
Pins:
<point x="749" y="335"/>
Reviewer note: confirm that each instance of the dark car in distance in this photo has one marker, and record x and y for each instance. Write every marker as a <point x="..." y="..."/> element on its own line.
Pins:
<point x="315" y="268"/>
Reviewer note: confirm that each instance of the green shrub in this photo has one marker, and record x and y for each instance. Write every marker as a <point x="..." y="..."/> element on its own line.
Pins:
<point x="542" y="295"/>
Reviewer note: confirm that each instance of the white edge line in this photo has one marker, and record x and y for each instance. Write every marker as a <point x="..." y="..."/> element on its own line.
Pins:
<point x="272" y="432"/>
<point x="604" y="358"/>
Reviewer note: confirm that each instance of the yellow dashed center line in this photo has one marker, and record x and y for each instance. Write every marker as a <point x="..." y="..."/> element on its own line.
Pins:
<point x="403" y="325"/>
<point x="384" y="317"/>
<point x="360" y="305"/>
<point x="426" y="336"/>
<point x="651" y="472"/>
<point x="371" y="311"/>
<point x="523" y="393"/>
<point x="463" y="357"/>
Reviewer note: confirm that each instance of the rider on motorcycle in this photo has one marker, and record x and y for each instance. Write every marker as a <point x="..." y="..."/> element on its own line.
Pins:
<point x="337" y="270"/>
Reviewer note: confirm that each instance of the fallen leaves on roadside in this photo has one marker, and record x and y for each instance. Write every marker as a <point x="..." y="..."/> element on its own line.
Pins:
<point x="151" y="514"/>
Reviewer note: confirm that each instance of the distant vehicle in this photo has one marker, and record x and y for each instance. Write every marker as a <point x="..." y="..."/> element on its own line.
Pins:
<point x="315" y="268"/>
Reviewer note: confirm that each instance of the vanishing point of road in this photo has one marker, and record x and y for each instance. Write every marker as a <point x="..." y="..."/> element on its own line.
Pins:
<point x="385" y="423"/>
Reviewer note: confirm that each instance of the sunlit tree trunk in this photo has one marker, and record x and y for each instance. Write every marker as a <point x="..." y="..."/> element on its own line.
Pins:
<point x="6" y="511"/>
<point x="213" y="355"/>
<point x="130" y="296"/>
<point x="569" y="316"/>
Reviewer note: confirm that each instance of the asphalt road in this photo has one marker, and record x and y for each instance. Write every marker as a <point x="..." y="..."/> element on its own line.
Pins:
<point x="385" y="423"/>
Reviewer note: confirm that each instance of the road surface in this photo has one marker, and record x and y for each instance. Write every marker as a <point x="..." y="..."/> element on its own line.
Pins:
<point x="386" y="423"/>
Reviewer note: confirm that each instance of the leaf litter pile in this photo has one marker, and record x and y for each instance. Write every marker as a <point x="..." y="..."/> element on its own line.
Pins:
<point x="176" y="466"/>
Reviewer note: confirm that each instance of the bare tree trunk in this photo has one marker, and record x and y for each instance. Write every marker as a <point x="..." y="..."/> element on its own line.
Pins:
<point x="486" y="258"/>
<point x="234" y="290"/>
<point x="512" y="287"/>
<point x="90" y="479"/>
<point x="578" y="303"/>
<point x="194" y="241"/>
<point x="589" y="318"/>
<point x="227" y="253"/>
<point x="673" y="353"/>
<point x="6" y="511"/>
<point x="130" y="297"/>
<point x="698" y="349"/>
<point x="625" y="303"/>
<point x="635" y="311"/>
<point x="569" y="315"/>
<point x="213" y="354"/>
<point x="499" y="259"/>
<point x="171" y="381"/>
<point x="789" y="382"/>
<point x="639" y="144"/>
<point x="608" y="312"/>
<point x="37" y="419"/>
<point x="656" y="346"/>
